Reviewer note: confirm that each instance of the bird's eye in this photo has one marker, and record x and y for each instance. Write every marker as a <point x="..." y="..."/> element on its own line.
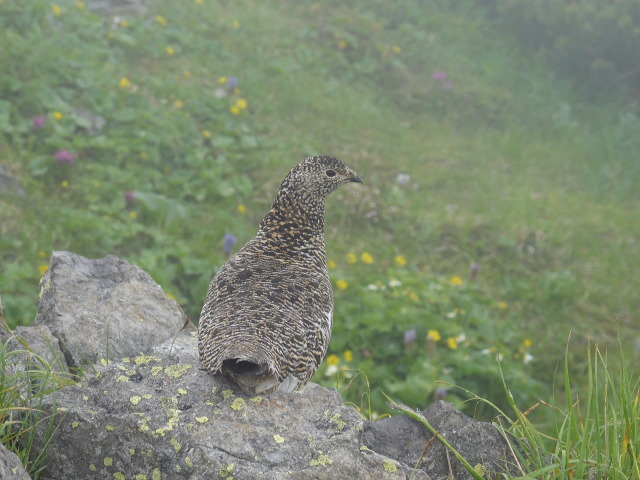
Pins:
<point x="330" y="173"/>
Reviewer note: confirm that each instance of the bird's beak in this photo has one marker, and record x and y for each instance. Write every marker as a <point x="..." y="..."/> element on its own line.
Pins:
<point x="355" y="178"/>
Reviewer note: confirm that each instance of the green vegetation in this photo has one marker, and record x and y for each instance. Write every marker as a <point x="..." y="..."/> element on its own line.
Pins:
<point x="499" y="207"/>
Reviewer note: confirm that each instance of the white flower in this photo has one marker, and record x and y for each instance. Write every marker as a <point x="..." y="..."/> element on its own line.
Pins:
<point x="372" y="286"/>
<point x="331" y="370"/>
<point x="394" y="283"/>
<point x="527" y="358"/>
<point x="403" y="178"/>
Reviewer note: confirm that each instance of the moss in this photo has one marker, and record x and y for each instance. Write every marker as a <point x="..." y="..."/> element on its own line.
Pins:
<point x="389" y="466"/>
<point x="176" y="371"/>
<point x="322" y="460"/>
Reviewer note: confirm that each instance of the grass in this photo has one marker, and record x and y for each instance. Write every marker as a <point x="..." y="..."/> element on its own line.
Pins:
<point x="508" y="181"/>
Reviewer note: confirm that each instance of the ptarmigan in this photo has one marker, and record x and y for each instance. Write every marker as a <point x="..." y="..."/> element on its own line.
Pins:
<point x="266" y="321"/>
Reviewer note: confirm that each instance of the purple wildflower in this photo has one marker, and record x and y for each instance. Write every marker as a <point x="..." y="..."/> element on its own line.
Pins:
<point x="409" y="338"/>
<point x="38" y="122"/>
<point x="440" y="393"/>
<point x="129" y="197"/>
<point x="439" y="76"/>
<point x="64" y="156"/>
<point x="232" y="84"/>
<point x="447" y="86"/>
<point x="227" y="243"/>
<point x="474" y="269"/>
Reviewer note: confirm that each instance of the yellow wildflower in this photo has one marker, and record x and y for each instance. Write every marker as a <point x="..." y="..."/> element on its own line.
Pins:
<point x="133" y="215"/>
<point x="456" y="281"/>
<point x="348" y="355"/>
<point x="199" y="2"/>
<point x="433" y="335"/>
<point x="342" y="44"/>
<point x="56" y="9"/>
<point x="58" y="115"/>
<point x="502" y="305"/>
<point x="143" y="155"/>
<point x="64" y="184"/>
<point x="42" y="268"/>
<point x="235" y="24"/>
<point x="342" y="284"/>
<point x="80" y="5"/>
<point x="234" y="109"/>
<point x="333" y="360"/>
<point x="170" y="50"/>
<point x="351" y="258"/>
<point x="124" y="82"/>
<point x="366" y="258"/>
<point x="396" y="49"/>
<point x="241" y="103"/>
<point x="526" y="343"/>
<point x="178" y="104"/>
<point x="241" y="209"/>
<point x="161" y="20"/>
<point x="400" y="261"/>
<point x="413" y="296"/>
<point x="206" y="134"/>
<point x="222" y="80"/>
<point x="170" y="296"/>
<point x="42" y="253"/>
<point x="124" y="23"/>
<point x="331" y="264"/>
<point x="452" y="343"/>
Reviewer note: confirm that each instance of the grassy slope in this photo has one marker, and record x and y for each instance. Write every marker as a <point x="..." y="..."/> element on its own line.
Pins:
<point x="497" y="178"/>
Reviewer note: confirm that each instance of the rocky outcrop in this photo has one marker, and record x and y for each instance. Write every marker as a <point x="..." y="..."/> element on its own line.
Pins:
<point x="10" y="466"/>
<point x="104" y="308"/>
<point x="149" y="412"/>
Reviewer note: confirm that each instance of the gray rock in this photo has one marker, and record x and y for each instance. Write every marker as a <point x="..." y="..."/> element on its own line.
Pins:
<point x="10" y="466"/>
<point x="39" y="346"/>
<point x="104" y="308"/>
<point x="407" y="441"/>
<point x="148" y="415"/>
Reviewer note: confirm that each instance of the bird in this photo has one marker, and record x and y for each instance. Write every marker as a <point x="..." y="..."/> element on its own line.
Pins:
<point x="268" y="313"/>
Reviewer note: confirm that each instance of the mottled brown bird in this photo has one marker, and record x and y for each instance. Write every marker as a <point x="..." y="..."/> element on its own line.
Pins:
<point x="266" y="321"/>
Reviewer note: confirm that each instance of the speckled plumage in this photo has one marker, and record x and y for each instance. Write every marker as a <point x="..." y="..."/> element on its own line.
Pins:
<point x="266" y="321"/>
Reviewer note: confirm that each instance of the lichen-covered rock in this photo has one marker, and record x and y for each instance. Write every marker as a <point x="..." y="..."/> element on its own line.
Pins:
<point x="33" y="343"/>
<point x="405" y="440"/>
<point x="104" y="308"/>
<point x="148" y="415"/>
<point x="10" y="466"/>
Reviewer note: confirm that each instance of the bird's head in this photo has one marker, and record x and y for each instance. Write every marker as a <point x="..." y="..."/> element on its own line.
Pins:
<point x="315" y="178"/>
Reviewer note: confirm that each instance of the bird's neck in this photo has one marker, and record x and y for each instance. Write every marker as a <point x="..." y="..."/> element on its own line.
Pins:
<point x="294" y="221"/>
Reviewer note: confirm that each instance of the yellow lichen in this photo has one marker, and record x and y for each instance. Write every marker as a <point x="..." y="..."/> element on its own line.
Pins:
<point x="364" y="449"/>
<point x="156" y="370"/>
<point x="238" y="404"/>
<point x="188" y="462"/>
<point x="132" y="451"/>
<point x="389" y="466"/>
<point x="178" y="370"/>
<point x="480" y="469"/>
<point x="224" y="472"/>
<point x="278" y="438"/>
<point x="85" y="398"/>
<point x="322" y="460"/>
<point x="135" y="399"/>
<point x="338" y="421"/>
<point x="145" y="359"/>
<point x="74" y="424"/>
<point x="104" y="362"/>
<point x="110" y="428"/>
<point x="119" y="476"/>
<point x="122" y="378"/>
<point x="147" y="396"/>
<point x="108" y="461"/>
<point x="182" y="391"/>
<point x="176" y="444"/>
<point x="257" y="399"/>
<point x="202" y="419"/>
<point x="227" y="394"/>
<point x="92" y="467"/>
<point x="156" y="475"/>
<point x="140" y="476"/>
